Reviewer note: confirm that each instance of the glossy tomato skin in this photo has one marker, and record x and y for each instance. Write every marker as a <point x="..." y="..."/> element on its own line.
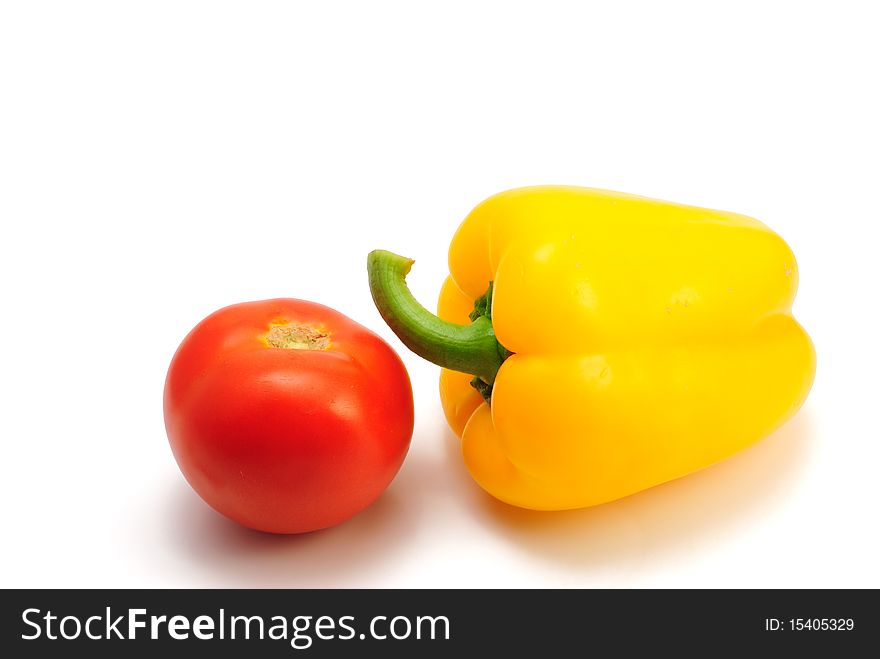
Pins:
<point x="280" y="439"/>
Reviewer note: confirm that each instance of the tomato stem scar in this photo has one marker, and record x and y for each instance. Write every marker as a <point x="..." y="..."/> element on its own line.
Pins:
<point x="298" y="337"/>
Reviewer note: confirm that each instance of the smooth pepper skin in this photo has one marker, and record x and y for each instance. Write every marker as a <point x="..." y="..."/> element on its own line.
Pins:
<point x="649" y="340"/>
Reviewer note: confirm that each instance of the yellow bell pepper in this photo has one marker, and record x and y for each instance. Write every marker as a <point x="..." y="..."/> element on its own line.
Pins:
<point x="618" y="342"/>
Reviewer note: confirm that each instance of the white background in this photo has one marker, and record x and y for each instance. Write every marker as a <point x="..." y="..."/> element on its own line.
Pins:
<point x="159" y="160"/>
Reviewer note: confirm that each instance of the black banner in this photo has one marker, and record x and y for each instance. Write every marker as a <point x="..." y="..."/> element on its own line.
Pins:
<point x="288" y="623"/>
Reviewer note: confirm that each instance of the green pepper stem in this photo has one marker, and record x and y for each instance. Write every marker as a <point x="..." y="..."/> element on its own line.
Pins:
<point x="467" y="348"/>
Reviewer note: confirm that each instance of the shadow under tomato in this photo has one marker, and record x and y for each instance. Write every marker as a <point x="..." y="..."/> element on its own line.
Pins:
<point x="217" y="551"/>
<point x="665" y="520"/>
<point x="211" y="550"/>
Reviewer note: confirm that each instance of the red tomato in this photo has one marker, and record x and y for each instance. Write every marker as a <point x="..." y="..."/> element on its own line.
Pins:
<point x="285" y="415"/>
